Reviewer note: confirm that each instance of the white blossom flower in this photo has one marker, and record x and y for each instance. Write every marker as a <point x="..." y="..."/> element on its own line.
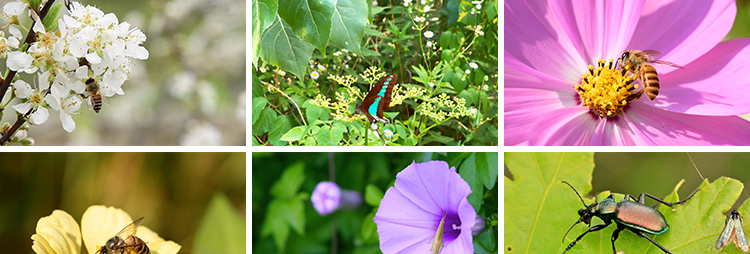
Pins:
<point x="34" y="102"/>
<point x="315" y="75"/>
<point x="429" y="34"/>
<point x="473" y="65"/>
<point x="60" y="100"/>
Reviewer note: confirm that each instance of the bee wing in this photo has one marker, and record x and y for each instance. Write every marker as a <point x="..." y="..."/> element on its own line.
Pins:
<point x="130" y="229"/>
<point x="652" y="53"/>
<point x="105" y="100"/>
<point x="667" y="64"/>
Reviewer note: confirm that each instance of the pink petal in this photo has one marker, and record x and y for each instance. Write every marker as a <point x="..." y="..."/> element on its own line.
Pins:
<point x="534" y="38"/>
<point x="661" y="127"/>
<point x="598" y="29"/>
<point x="565" y="126"/>
<point x="683" y="32"/>
<point x="714" y="84"/>
<point x="524" y="106"/>
<point x="614" y="131"/>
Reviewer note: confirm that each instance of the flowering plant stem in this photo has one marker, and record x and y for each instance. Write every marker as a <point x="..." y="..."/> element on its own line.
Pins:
<point x="30" y="38"/>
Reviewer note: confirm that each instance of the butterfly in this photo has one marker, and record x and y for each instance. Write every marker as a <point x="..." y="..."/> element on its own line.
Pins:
<point x="377" y="99"/>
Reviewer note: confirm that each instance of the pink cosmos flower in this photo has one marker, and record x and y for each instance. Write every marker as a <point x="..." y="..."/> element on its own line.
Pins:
<point x="411" y="211"/>
<point x="549" y="46"/>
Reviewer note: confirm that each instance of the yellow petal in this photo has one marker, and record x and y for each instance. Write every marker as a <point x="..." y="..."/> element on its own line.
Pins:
<point x="100" y="223"/>
<point x="57" y="233"/>
<point x="155" y="243"/>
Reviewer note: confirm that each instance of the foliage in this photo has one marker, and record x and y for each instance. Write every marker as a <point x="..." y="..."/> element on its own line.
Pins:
<point x="536" y="189"/>
<point x="444" y="53"/>
<point x="371" y="174"/>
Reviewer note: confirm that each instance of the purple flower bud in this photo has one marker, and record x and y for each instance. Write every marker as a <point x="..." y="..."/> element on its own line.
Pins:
<point x="328" y="197"/>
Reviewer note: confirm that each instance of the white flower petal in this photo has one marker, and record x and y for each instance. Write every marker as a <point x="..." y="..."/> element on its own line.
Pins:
<point x="40" y="116"/>
<point x="67" y="121"/>
<point x="22" y="89"/>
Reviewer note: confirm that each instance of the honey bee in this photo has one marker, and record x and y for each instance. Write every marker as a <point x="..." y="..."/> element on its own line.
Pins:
<point x="125" y="242"/>
<point x="95" y="97"/>
<point x="639" y="63"/>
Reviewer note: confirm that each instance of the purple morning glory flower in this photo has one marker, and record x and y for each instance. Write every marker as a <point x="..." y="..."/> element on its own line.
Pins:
<point x="561" y="88"/>
<point x="328" y="197"/>
<point x="411" y="211"/>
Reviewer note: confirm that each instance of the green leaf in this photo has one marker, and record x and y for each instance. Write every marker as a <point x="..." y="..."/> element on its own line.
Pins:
<point x="258" y="104"/>
<point x="290" y="181"/>
<point x="369" y="228"/>
<point x="373" y="195"/>
<point x="278" y="128"/>
<point x="487" y="168"/>
<point x="348" y="28"/>
<point x="486" y="242"/>
<point x="451" y="8"/>
<point x="267" y="116"/>
<point x="264" y="12"/>
<point x="281" y="47"/>
<point x="275" y="225"/>
<point x="294" y="134"/>
<point x="465" y="14"/>
<point x="221" y="230"/>
<point x="537" y="203"/>
<point x="337" y="132"/>
<point x="310" y="20"/>
<point x="313" y="112"/>
<point x="323" y="136"/>
<point x="469" y="173"/>
<point x="50" y="21"/>
<point x="491" y="10"/>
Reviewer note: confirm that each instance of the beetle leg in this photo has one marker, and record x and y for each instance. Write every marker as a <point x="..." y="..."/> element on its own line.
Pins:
<point x="591" y="229"/>
<point x="640" y="233"/>
<point x="665" y="202"/>
<point x="614" y="237"/>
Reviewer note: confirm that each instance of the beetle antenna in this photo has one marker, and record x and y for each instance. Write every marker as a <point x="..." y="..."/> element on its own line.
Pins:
<point x="579" y="196"/>
<point x="704" y="179"/>
<point x="571" y="227"/>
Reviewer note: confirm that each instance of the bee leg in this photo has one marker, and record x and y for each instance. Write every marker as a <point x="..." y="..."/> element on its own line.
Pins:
<point x="635" y="96"/>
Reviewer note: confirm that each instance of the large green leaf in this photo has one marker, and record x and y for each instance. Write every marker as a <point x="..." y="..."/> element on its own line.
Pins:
<point x="264" y="12"/>
<point x="310" y="19"/>
<point x="281" y="47"/>
<point x="348" y="24"/>
<point x="539" y="209"/>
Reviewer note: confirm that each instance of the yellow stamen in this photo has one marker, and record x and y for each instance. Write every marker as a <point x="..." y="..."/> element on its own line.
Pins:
<point x="606" y="90"/>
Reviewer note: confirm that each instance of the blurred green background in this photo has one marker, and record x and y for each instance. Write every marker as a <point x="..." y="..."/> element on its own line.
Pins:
<point x="659" y="173"/>
<point x="190" y="91"/>
<point x="174" y="191"/>
<point x="356" y="232"/>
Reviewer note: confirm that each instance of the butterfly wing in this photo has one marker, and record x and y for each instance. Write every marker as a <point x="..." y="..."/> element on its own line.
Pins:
<point x="387" y="84"/>
<point x="378" y="98"/>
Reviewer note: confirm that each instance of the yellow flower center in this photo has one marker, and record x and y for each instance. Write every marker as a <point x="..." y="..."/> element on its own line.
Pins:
<point x="606" y="90"/>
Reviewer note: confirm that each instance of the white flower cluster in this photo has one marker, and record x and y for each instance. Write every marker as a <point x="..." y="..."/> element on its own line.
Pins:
<point x="88" y="58"/>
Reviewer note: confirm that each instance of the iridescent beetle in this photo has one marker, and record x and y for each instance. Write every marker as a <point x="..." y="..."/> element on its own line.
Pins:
<point x="634" y="216"/>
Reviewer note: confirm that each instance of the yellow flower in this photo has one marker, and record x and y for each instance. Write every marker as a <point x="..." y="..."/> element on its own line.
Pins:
<point x="100" y="223"/>
<point x="57" y="233"/>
